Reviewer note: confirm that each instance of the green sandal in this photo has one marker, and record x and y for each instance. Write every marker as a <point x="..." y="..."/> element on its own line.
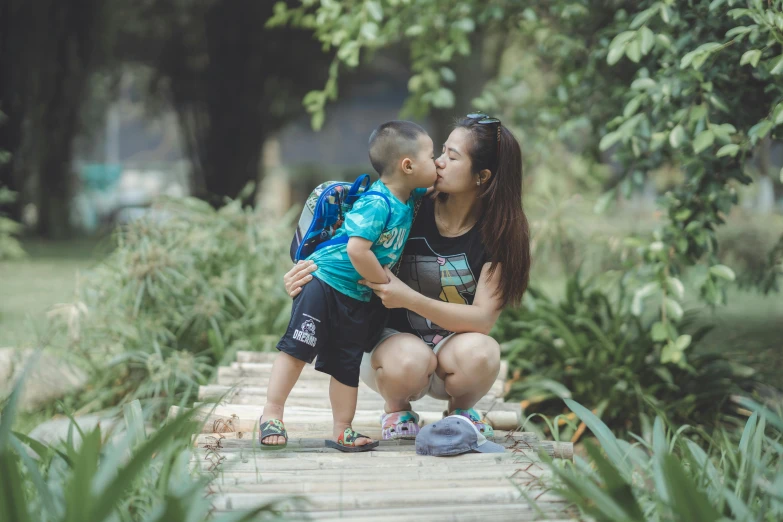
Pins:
<point x="270" y="428"/>
<point x="346" y="442"/>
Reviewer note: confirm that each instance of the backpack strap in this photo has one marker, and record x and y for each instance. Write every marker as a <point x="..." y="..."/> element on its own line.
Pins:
<point x="344" y="239"/>
<point x="362" y="183"/>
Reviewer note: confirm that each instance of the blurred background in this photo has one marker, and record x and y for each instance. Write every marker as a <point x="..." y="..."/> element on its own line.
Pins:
<point x="153" y="154"/>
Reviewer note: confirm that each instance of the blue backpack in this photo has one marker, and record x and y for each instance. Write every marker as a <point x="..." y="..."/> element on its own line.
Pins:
<point x="324" y="212"/>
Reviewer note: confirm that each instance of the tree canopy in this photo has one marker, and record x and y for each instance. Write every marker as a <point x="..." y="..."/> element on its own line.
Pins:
<point x="697" y="85"/>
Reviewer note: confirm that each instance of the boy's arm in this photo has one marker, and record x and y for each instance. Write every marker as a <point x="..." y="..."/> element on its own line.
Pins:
<point x="364" y="261"/>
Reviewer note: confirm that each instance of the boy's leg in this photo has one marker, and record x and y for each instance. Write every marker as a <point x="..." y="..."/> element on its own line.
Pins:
<point x="307" y="333"/>
<point x="343" y="399"/>
<point x="285" y="373"/>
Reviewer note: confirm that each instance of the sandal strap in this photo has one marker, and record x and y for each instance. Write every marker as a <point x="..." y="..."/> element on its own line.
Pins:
<point x="349" y="437"/>
<point x="273" y="427"/>
<point x="390" y="420"/>
<point x="475" y="417"/>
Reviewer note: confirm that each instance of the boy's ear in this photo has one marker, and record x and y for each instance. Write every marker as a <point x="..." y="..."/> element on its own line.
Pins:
<point x="407" y="165"/>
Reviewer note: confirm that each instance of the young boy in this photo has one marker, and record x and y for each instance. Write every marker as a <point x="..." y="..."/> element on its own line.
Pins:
<point x="336" y="318"/>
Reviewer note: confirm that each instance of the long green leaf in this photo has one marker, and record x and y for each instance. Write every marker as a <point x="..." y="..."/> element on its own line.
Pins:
<point x="616" y="486"/>
<point x="591" y="498"/>
<point x="42" y="449"/>
<point x="35" y="476"/>
<point x="13" y="503"/>
<point x="134" y="422"/>
<point x="603" y="434"/>
<point x="79" y="497"/>
<point x="773" y="418"/>
<point x="108" y="497"/>
<point x="687" y="502"/>
<point x="702" y="462"/>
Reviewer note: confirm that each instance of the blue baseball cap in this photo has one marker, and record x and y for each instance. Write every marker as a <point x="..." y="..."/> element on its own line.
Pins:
<point x="453" y="435"/>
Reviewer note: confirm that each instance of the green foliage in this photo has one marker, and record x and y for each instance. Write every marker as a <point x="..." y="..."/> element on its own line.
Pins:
<point x="181" y="292"/>
<point x="9" y="244"/>
<point x="592" y="348"/>
<point x="664" y="475"/>
<point x="137" y="478"/>
<point x="694" y="85"/>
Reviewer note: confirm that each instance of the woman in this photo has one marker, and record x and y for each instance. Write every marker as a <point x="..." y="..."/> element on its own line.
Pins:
<point x="467" y="257"/>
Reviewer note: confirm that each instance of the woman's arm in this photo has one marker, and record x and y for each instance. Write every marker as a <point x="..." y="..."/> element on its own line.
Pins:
<point x="298" y="276"/>
<point x="479" y="317"/>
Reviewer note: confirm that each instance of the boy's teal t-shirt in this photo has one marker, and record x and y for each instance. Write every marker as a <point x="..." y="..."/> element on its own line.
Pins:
<point x="366" y="219"/>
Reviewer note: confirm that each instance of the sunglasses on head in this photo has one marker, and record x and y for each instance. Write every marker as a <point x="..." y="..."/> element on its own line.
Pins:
<point x="484" y="119"/>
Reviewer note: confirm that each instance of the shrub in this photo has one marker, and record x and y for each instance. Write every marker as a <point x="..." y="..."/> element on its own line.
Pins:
<point x="136" y="479"/>
<point x="182" y="291"/>
<point x="663" y="475"/>
<point x="591" y="348"/>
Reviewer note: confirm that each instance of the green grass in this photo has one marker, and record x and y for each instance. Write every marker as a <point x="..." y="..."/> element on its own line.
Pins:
<point x="750" y="327"/>
<point x="30" y="286"/>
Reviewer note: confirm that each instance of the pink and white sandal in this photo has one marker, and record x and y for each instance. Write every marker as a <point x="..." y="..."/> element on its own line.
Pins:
<point x="399" y="425"/>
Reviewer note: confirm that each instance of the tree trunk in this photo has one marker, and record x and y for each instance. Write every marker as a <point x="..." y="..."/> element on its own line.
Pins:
<point x="46" y="62"/>
<point x="66" y="53"/>
<point x="12" y="92"/>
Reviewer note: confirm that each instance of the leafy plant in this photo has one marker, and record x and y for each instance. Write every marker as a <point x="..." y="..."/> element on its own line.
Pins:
<point x="591" y="348"/>
<point x="693" y="86"/>
<point x="182" y="291"/>
<point x="139" y="478"/>
<point x="664" y="475"/>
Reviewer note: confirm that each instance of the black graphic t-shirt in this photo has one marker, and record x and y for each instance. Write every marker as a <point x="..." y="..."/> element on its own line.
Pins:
<point x="445" y="268"/>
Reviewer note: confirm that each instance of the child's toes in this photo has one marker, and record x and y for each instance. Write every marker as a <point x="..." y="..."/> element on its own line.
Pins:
<point x="363" y="440"/>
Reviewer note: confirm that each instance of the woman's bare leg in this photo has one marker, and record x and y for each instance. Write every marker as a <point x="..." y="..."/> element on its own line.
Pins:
<point x="469" y="364"/>
<point x="403" y="364"/>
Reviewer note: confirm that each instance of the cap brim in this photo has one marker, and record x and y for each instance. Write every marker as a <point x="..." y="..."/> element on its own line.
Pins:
<point x="490" y="447"/>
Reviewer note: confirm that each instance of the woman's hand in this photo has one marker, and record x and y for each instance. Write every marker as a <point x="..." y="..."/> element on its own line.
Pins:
<point x="298" y="276"/>
<point x="394" y="294"/>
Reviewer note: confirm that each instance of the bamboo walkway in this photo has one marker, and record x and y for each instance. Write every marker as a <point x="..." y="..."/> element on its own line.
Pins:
<point x="391" y="483"/>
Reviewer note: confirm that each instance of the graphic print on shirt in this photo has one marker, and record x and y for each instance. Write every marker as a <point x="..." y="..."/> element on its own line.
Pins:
<point x="448" y="278"/>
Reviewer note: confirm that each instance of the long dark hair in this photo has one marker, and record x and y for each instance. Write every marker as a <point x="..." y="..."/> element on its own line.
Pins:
<point x="504" y="227"/>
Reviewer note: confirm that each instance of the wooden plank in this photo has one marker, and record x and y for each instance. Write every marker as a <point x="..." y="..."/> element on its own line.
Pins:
<point x="370" y="480"/>
<point x="439" y="472"/>
<point x="476" y="513"/>
<point x="309" y="372"/>
<point x="230" y="377"/>
<point x="514" y="441"/>
<point x="368" y="399"/>
<point x="303" y="467"/>
<point x="248" y="416"/>
<point x="349" y="500"/>
<point x="244" y="356"/>
<point x="248" y="443"/>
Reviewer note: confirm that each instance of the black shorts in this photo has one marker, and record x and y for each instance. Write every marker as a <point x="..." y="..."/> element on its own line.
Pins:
<point x="334" y="327"/>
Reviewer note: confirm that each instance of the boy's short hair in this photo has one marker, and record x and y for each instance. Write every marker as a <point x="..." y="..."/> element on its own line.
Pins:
<point x="392" y="140"/>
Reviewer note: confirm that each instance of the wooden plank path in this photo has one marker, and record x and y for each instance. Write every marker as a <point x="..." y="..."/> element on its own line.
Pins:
<point x="391" y="483"/>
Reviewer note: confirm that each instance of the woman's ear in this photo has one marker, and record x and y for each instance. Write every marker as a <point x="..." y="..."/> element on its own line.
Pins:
<point x="485" y="175"/>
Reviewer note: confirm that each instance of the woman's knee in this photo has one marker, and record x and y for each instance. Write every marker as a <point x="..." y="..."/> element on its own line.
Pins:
<point x="471" y="352"/>
<point x="404" y="356"/>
